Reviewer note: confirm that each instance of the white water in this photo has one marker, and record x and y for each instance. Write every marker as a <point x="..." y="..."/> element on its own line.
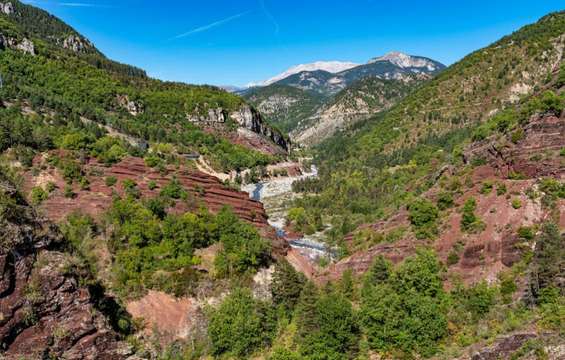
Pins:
<point x="276" y="195"/>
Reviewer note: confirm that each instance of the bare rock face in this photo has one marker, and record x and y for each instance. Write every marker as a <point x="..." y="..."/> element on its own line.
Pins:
<point x="247" y="118"/>
<point x="504" y="347"/>
<point x="133" y="107"/>
<point x="76" y="44"/>
<point x="250" y="119"/>
<point x="214" y="116"/>
<point x="528" y="156"/>
<point x="7" y="8"/>
<point x="44" y="312"/>
<point x="24" y="45"/>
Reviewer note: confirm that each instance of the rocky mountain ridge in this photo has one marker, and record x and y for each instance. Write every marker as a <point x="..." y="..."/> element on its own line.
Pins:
<point x="308" y="102"/>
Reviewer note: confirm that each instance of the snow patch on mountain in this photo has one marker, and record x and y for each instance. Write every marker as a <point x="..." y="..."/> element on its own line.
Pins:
<point x="403" y="60"/>
<point x="333" y="67"/>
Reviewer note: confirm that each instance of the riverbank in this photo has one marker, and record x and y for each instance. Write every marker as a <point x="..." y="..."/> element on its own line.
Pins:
<point x="276" y="195"/>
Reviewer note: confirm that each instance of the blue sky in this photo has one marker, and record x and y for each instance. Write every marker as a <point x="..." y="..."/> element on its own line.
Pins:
<point x="236" y="42"/>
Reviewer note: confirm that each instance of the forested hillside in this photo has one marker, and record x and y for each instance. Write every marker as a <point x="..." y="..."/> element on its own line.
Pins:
<point x="370" y="170"/>
<point x="46" y="67"/>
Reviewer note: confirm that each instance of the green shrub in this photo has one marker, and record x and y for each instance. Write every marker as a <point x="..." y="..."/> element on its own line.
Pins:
<point x="327" y="325"/>
<point x="526" y="232"/>
<point x="38" y="195"/>
<point x="452" y="258"/>
<point x="243" y="249"/>
<point x="153" y="161"/>
<point x="445" y="200"/>
<point x="68" y="192"/>
<point x="486" y="188"/>
<point x="516" y="203"/>
<point x="240" y="325"/>
<point x="423" y="216"/>
<point x="51" y="186"/>
<point x="407" y="311"/>
<point x="469" y="221"/>
<point x="507" y="287"/>
<point x="500" y="189"/>
<point x="517" y="135"/>
<point x="174" y="190"/>
<point x="109" y="150"/>
<point x="286" y="286"/>
<point x="152" y="185"/>
<point x="111" y="181"/>
<point x="84" y="183"/>
<point x="480" y="298"/>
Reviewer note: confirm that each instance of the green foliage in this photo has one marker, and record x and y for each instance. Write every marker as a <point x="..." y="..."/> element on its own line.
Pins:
<point x="379" y="272"/>
<point x="152" y="185"/>
<point x="553" y="187"/>
<point x="480" y="298"/>
<point x="526" y="232"/>
<point x="111" y="181"/>
<point x="68" y="191"/>
<point x="155" y="250"/>
<point x="242" y="249"/>
<point x="486" y="188"/>
<point x="406" y="312"/>
<point x="516" y="203"/>
<point x="423" y="217"/>
<point x="174" y="190"/>
<point x="308" y="223"/>
<point x="469" y="221"/>
<point x="38" y="195"/>
<point x="548" y="261"/>
<point x="452" y="258"/>
<point x="109" y="150"/>
<point x="240" y="325"/>
<point x="500" y="189"/>
<point x="327" y="325"/>
<point x="286" y="286"/>
<point x="445" y="200"/>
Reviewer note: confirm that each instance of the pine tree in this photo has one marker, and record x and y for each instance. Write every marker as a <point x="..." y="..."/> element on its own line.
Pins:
<point x="287" y="285"/>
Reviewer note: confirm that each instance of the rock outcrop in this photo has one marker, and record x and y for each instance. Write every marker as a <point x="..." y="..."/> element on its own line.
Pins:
<point x="245" y="117"/>
<point x="44" y="312"/>
<point x="25" y="45"/>
<point x="250" y="119"/>
<point x="7" y="8"/>
<point x="76" y="44"/>
<point x="531" y="156"/>
<point x="133" y="107"/>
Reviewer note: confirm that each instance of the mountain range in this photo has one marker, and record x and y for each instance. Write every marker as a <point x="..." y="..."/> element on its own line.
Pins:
<point x="308" y="100"/>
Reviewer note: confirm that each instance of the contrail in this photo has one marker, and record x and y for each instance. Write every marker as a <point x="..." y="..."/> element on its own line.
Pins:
<point x="211" y="25"/>
<point x="68" y="4"/>
<point x="270" y="16"/>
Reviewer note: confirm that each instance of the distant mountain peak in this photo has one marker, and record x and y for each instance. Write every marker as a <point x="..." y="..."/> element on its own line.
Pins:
<point x="404" y="60"/>
<point x="333" y="67"/>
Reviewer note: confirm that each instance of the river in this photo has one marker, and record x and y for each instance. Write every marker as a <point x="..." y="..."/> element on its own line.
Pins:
<point x="276" y="195"/>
